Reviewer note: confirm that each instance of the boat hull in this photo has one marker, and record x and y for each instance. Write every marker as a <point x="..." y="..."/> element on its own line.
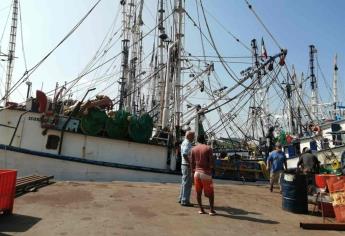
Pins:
<point x="322" y="155"/>
<point x="69" y="168"/>
<point x="29" y="148"/>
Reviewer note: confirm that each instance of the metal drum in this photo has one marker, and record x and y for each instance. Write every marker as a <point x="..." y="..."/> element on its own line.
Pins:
<point x="294" y="193"/>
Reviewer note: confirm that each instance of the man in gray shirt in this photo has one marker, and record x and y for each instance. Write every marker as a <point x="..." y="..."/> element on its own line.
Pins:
<point x="308" y="162"/>
<point x="186" y="185"/>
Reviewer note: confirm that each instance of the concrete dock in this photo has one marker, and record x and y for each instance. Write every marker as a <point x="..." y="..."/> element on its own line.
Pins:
<point x="123" y="208"/>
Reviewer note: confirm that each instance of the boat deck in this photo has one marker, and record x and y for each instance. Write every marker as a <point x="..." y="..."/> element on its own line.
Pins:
<point x="124" y="208"/>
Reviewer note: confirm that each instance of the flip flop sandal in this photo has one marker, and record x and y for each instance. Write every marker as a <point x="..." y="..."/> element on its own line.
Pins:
<point x="201" y="212"/>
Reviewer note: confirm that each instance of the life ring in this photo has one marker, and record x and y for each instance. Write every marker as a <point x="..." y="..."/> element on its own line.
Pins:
<point x="316" y="129"/>
<point x="335" y="164"/>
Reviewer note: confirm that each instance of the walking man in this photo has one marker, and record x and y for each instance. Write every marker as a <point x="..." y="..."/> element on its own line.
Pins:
<point x="202" y="165"/>
<point x="276" y="163"/>
<point x="186" y="185"/>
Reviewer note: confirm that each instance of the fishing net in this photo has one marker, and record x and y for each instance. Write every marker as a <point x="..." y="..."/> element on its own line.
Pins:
<point x="93" y="122"/>
<point x="140" y="128"/>
<point x="117" y="126"/>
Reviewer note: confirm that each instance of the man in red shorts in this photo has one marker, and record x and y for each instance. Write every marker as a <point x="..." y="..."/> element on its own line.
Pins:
<point x="202" y="165"/>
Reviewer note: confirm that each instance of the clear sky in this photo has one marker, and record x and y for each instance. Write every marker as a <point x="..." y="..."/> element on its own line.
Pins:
<point x="294" y="23"/>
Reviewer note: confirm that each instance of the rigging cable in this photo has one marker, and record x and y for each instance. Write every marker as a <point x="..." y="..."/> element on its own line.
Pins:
<point x="224" y="57"/>
<point x="202" y="41"/>
<point x="90" y="71"/>
<point x="3" y="32"/>
<point x="252" y="95"/>
<point x="21" y="80"/>
<point x="21" y="36"/>
<point x="227" y="31"/>
<point x="105" y="50"/>
<point x="216" y="50"/>
<point x="262" y="23"/>
<point x="140" y="83"/>
<point x="118" y="54"/>
<point x="248" y="91"/>
<point x="219" y="56"/>
<point x="27" y="73"/>
<point x="324" y="78"/>
<point x="4" y="8"/>
<point x="100" y="53"/>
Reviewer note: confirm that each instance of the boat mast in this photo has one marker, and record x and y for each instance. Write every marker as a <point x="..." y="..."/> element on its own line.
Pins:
<point x="133" y="98"/>
<point x="314" y="95"/>
<point x="173" y="75"/>
<point x="288" y="87"/>
<point x="131" y="64"/>
<point x="178" y="38"/>
<point x="124" y="63"/>
<point x="335" y="88"/>
<point x="159" y="92"/>
<point x="298" y="100"/>
<point x="11" y="50"/>
<point x="299" y="103"/>
<point x="168" y="84"/>
<point x="140" y="72"/>
<point x="259" y="109"/>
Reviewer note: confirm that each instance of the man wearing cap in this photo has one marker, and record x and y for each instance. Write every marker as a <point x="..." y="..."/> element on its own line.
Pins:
<point x="186" y="185"/>
<point x="308" y="162"/>
<point x="310" y="166"/>
<point x="276" y="163"/>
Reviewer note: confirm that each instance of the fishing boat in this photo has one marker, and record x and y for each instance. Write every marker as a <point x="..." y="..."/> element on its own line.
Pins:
<point x="135" y="135"/>
<point x="88" y="140"/>
<point x="323" y="134"/>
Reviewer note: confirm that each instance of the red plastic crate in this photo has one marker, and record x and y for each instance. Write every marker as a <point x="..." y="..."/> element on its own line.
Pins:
<point x="7" y="190"/>
<point x="320" y="179"/>
<point x="339" y="213"/>
<point x="337" y="186"/>
<point x="332" y="180"/>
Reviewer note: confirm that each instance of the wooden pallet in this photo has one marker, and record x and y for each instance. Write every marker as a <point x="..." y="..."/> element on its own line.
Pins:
<point x="31" y="183"/>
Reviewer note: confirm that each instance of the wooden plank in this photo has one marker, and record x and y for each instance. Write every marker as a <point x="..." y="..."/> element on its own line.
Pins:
<point x="28" y="182"/>
<point x="33" y="181"/>
<point x="27" y="178"/>
<point x="323" y="226"/>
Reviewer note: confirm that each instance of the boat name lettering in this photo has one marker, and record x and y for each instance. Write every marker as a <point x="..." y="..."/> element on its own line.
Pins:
<point x="34" y="118"/>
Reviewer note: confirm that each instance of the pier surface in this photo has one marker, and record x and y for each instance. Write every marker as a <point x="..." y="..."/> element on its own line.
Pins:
<point x="124" y="208"/>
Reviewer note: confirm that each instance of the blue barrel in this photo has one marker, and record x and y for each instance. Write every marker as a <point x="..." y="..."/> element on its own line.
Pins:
<point x="294" y="193"/>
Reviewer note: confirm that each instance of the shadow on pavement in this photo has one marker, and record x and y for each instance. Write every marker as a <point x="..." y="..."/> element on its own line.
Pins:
<point x="236" y="211"/>
<point x="240" y="214"/>
<point x="17" y="223"/>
